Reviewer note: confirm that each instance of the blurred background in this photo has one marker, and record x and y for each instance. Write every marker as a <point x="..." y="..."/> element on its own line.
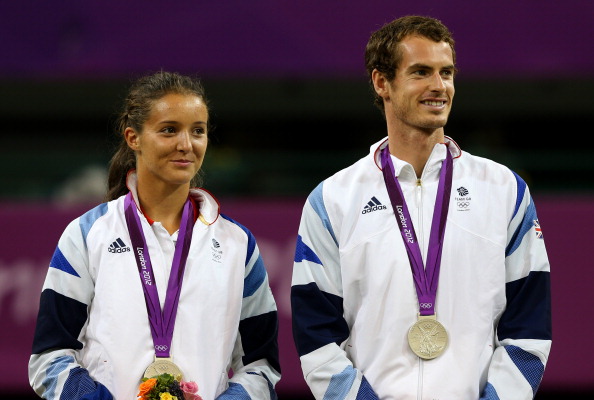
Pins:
<point x="291" y="105"/>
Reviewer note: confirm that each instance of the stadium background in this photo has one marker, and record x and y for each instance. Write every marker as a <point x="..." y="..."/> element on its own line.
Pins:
<point x="290" y="106"/>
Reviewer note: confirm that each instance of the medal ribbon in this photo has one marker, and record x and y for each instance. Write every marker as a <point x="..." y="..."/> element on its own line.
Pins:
<point x="425" y="279"/>
<point x="161" y="322"/>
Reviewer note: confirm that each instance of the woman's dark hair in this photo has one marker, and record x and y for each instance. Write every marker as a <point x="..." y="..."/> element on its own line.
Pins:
<point x="135" y="111"/>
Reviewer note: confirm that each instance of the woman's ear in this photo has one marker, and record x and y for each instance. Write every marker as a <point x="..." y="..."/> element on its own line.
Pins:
<point x="132" y="138"/>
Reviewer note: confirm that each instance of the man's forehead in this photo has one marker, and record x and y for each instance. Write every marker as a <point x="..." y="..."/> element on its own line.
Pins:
<point x="421" y="50"/>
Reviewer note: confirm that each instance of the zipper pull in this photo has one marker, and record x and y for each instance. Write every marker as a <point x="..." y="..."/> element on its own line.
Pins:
<point x="418" y="192"/>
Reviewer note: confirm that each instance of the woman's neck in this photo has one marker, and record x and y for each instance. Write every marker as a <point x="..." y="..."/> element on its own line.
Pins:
<point x="163" y="204"/>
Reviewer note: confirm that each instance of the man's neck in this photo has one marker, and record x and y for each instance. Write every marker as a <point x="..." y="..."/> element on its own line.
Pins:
<point x="414" y="146"/>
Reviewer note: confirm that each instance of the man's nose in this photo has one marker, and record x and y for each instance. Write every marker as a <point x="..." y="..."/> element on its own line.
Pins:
<point x="437" y="83"/>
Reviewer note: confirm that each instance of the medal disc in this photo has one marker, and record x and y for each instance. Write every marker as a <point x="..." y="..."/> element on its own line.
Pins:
<point x="427" y="338"/>
<point x="163" y="366"/>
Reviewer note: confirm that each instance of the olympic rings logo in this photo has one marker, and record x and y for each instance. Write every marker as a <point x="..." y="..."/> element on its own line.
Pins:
<point x="463" y="204"/>
<point x="426" y="305"/>
<point x="161" y="347"/>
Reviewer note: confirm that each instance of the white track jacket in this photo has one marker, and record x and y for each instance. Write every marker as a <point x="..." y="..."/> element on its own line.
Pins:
<point x="353" y="297"/>
<point x="93" y="339"/>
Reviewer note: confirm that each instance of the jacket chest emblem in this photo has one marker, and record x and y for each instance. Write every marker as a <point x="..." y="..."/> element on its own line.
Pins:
<point x="216" y="251"/>
<point x="373" y="205"/>
<point x="118" y="246"/>
<point x="463" y="199"/>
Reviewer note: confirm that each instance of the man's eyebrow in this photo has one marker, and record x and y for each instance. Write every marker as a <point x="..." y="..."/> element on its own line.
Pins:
<point x="425" y="66"/>
<point x="419" y="66"/>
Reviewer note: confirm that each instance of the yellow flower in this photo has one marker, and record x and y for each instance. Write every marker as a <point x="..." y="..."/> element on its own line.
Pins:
<point x="167" y="396"/>
<point x="146" y="387"/>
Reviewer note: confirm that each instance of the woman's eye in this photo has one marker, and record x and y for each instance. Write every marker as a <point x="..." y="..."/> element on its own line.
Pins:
<point x="168" y="129"/>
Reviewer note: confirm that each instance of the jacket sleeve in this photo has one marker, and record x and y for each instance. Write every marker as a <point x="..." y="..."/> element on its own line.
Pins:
<point x="524" y="329"/>
<point x="319" y="326"/>
<point x="54" y="367"/>
<point x="255" y="361"/>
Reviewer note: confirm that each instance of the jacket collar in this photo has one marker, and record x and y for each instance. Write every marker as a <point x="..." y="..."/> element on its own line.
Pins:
<point x="405" y="172"/>
<point x="205" y="204"/>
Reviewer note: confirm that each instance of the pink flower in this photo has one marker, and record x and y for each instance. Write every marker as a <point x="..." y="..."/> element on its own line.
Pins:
<point x="190" y="390"/>
<point x="188" y="387"/>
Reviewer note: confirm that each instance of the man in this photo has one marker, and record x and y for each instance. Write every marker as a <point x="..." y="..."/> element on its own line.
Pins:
<point x="420" y="271"/>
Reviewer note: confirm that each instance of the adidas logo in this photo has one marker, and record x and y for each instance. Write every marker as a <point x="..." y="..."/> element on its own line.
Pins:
<point x="373" y="205"/>
<point x="118" y="247"/>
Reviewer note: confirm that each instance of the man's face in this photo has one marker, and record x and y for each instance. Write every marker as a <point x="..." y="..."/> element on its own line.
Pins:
<point x="421" y="94"/>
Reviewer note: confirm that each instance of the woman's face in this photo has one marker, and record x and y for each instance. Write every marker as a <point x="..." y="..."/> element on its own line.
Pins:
<point x="171" y="147"/>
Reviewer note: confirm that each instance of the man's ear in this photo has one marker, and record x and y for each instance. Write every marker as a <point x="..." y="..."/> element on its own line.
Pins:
<point x="380" y="84"/>
<point x="132" y="138"/>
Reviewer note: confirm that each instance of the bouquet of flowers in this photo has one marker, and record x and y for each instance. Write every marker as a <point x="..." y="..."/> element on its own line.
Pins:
<point x="166" y="387"/>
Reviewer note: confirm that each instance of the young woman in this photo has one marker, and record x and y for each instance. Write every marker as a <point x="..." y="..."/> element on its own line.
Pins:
<point x="156" y="280"/>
